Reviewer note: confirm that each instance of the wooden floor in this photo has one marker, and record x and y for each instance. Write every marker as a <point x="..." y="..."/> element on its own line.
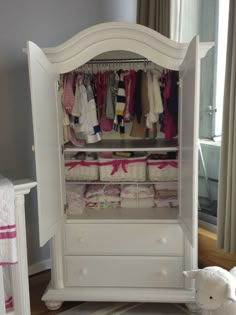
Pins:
<point x="209" y="254"/>
<point x="37" y="284"/>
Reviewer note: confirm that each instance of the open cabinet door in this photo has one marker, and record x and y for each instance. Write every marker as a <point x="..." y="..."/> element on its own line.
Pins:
<point x="188" y="140"/>
<point x="47" y="141"/>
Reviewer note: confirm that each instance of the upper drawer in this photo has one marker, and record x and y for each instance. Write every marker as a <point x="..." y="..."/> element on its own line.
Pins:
<point x="124" y="239"/>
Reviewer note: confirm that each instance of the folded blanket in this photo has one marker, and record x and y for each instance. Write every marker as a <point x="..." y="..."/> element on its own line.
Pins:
<point x="137" y="203"/>
<point x="131" y="188"/>
<point x="103" y="205"/>
<point x="77" y="189"/>
<point x="75" y="207"/>
<point x="103" y="198"/>
<point x="75" y="198"/>
<point x="166" y="194"/>
<point x="137" y="191"/>
<point x="102" y="189"/>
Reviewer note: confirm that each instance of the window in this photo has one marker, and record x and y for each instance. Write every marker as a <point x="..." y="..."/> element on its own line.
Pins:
<point x="223" y="12"/>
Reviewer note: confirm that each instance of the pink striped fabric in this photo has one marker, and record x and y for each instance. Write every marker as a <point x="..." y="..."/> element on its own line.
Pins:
<point x="9" y="304"/>
<point x="8" y="247"/>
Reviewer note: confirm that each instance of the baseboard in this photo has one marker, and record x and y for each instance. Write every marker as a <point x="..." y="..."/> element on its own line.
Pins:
<point x="39" y="267"/>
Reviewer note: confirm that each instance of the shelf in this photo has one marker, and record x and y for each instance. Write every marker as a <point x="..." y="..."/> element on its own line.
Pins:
<point x="151" y="145"/>
<point x="126" y="215"/>
<point x="146" y="182"/>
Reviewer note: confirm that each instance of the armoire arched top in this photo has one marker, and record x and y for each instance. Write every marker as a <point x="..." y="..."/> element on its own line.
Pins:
<point x="114" y="36"/>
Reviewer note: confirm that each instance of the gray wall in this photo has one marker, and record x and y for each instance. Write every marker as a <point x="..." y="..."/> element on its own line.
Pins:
<point x="47" y="23"/>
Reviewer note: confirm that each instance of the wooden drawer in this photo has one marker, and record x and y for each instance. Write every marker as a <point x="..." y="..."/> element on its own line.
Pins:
<point x="123" y="239"/>
<point x="124" y="271"/>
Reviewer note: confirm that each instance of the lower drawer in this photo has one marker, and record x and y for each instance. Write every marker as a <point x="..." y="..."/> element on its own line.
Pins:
<point x="124" y="271"/>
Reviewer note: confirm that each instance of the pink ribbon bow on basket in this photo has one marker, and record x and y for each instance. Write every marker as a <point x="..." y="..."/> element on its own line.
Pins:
<point x="163" y="164"/>
<point x="73" y="164"/>
<point x="117" y="163"/>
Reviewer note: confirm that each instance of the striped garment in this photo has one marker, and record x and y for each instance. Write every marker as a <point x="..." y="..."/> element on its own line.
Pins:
<point x="118" y="124"/>
<point x="68" y="98"/>
<point x="8" y="247"/>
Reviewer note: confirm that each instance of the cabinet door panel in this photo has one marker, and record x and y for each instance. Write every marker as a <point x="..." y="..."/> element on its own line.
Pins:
<point x="47" y="141"/>
<point x="188" y="137"/>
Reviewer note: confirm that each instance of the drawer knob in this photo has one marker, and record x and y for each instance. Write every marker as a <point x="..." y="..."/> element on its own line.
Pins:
<point x="163" y="272"/>
<point x="83" y="272"/>
<point x="81" y="240"/>
<point x="162" y="240"/>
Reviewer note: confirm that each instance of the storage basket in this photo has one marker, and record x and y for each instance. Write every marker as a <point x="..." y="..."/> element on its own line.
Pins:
<point x="81" y="170"/>
<point x="162" y="170"/>
<point x="125" y="169"/>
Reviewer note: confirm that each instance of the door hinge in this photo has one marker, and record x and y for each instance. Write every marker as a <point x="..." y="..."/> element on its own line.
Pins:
<point x="59" y="85"/>
<point x="62" y="149"/>
<point x="65" y="207"/>
<point x="211" y="110"/>
<point x="180" y="83"/>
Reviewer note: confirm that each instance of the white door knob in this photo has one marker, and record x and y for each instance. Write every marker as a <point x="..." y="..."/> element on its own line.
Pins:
<point x="83" y="272"/>
<point x="81" y="240"/>
<point x="162" y="240"/>
<point x="163" y="273"/>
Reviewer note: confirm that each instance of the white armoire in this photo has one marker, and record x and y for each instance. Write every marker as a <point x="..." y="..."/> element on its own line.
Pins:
<point x="129" y="255"/>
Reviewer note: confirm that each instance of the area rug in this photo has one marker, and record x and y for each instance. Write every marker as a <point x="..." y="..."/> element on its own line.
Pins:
<point x="106" y="308"/>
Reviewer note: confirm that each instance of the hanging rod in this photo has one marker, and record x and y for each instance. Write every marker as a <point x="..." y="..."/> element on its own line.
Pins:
<point x="102" y="61"/>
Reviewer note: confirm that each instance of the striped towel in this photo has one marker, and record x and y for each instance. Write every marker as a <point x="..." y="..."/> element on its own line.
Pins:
<point x="8" y="247"/>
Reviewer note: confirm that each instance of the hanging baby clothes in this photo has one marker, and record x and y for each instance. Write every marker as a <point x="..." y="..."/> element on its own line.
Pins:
<point x="120" y="106"/>
<point x="130" y="81"/>
<point x="169" y="126"/>
<point x="100" y="86"/>
<point x="172" y="101"/>
<point x="88" y="124"/>
<point x="137" y="96"/>
<point x="68" y="95"/>
<point x="66" y="126"/>
<point x="155" y="100"/>
<point x="110" y="104"/>
<point x="76" y="107"/>
<point x="85" y="124"/>
<point x="139" y="128"/>
<point x="92" y="112"/>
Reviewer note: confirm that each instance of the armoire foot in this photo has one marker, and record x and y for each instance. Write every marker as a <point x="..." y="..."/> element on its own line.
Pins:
<point x="53" y="305"/>
<point x="193" y="308"/>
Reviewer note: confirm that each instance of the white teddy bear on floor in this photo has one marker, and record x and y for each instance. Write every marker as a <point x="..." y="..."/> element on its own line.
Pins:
<point x="215" y="290"/>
